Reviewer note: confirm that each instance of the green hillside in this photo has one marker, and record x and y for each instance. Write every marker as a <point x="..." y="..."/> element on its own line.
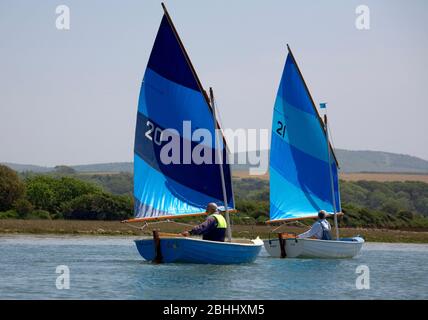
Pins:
<point x="377" y="161"/>
<point x="350" y="161"/>
<point x="370" y="161"/>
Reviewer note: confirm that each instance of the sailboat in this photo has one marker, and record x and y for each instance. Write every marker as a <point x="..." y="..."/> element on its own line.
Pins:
<point x="173" y="106"/>
<point x="303" y="171"/>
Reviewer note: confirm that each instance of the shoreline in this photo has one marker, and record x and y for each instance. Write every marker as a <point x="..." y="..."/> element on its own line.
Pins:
<point x="115" y="228"/>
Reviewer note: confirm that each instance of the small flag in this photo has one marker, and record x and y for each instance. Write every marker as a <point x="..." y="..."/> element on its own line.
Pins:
<point x="323" y="105"/>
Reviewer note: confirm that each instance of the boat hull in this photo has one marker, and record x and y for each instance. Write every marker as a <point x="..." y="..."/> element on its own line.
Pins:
<point x="312" y="248"/>
<point x="189" y="250"/>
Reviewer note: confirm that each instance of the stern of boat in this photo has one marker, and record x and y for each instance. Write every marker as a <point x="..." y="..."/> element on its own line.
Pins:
<point x="313" y="248"/>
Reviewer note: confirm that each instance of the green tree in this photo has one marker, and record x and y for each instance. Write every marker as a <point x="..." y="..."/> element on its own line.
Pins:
<point x="64" y="170"/>
<point x="23" y="207"/>
<point x="99" y="207"/>
<point x="11" y="188"/>
<point x="41" y="194"/>
<point x="50" y="193"/>
<point x="67" y="188"/>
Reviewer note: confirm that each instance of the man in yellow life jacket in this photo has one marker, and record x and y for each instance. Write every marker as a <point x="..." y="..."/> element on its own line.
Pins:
<point x="213" y="228"/>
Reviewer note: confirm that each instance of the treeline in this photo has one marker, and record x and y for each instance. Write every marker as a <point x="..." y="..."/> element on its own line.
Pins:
<point x="391" y="197"/>
<point x="58" y="197"/>
<point x="67" y="194"/>
<point x="365" y="203"/>
<point x="116" y="183"/>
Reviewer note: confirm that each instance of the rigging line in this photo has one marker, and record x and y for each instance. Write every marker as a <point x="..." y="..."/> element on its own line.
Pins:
<point x="221" y="130"/>
<point x="279" y="227"/>
<point x="146" y="224"/>
<point x="223" y="185"/>
<point x="135" y="227"/>
<point x="287" y="223"/>
<point x="219" y="121"/>
<point x="330" y="134"/>
<point x="182" y="223"/>
<point x="230" y="157"/>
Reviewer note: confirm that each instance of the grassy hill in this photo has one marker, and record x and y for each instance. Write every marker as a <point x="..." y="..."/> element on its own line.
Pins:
<point x="105" y="167"/>
<point x="377" y="161"/>
<point x="350" y="161"/>
<point x="96" y="167"/>
<point x="27" y="167"/>
<point x="368" y="161"/>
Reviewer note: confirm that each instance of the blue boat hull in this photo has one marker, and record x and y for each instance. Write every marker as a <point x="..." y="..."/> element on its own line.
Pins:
<point x="188" y="250"/>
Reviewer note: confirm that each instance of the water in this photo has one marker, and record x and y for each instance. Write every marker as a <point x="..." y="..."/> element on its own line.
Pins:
<point x="111" y="268"/>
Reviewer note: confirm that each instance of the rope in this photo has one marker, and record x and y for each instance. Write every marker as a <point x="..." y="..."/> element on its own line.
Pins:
<point x="135" y="227"/>
<point x="286" y="224"/>
<point x="181" y="223"/>
<point x="146" y="224"/>
<point x="330" y="133"/>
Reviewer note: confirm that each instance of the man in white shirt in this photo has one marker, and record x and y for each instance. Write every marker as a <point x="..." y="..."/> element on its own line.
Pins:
<point x="319" y="230"/>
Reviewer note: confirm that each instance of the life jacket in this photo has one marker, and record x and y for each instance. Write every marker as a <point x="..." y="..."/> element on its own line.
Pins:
<point x="221" y="221"/>
<point x="325" y="233"/>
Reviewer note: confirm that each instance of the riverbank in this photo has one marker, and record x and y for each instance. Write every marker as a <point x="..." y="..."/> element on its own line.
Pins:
<point x="100" y="228"/>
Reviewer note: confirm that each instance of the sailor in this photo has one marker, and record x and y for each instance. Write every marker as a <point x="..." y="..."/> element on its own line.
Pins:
<point x="213" y="228"/>
<point x="320" y="229"/>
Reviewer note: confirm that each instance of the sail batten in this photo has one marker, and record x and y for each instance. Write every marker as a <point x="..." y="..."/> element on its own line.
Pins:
<point x="300" y="175"/>
<point x="173" y="102"/>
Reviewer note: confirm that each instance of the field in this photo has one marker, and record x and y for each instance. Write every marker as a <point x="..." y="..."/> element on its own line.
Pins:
<point x="99" y="228"/>
<point x="381" y="177"/>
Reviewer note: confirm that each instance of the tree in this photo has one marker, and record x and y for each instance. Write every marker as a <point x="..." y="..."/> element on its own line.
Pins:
<point x="49" y="193"/>
<point x="40" y="194"/>
<point x="11" y="188"/>
<point x="68" y="188"/>
<point x="23" y="207"/>
<point x="99" y="207"/>
<point x="64" y="170"/>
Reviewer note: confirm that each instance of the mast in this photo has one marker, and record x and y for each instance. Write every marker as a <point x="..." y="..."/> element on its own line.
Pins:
<point x="220" y="156"/>
<point x="331" y="179"/>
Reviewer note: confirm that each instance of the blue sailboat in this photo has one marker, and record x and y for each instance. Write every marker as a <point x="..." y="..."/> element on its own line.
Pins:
<point x="168" y="183"/>
<point x="303" y="170"/>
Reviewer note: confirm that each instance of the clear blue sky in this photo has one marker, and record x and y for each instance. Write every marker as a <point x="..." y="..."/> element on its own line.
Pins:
<point x="70" y="97"/>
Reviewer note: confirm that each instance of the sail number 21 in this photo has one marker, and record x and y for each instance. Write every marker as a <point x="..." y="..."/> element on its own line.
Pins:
<point x="281" y="129"/>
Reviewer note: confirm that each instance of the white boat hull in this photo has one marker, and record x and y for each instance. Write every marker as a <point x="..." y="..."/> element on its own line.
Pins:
<point x="312" y="248"/>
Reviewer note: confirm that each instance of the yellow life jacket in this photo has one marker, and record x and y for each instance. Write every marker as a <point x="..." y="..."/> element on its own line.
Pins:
<point x="221" y="221"/>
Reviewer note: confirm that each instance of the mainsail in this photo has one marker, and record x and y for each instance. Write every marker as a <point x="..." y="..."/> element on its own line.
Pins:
<point x="300" y="178"/>
<point x="172" y="98"/>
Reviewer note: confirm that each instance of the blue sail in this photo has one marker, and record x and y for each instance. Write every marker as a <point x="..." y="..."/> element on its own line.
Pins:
<point x="170" y="96"/>
<point x="300" y="183"/>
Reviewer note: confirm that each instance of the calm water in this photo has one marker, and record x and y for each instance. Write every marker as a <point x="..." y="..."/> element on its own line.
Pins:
<point x="111" y="268"/>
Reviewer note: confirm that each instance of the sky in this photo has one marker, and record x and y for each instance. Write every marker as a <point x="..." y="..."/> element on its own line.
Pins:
<point x="70" y="96"/>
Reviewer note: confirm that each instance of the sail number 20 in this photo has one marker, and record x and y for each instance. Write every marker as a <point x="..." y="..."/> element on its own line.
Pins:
<point x="154" y="133"/>
<point x="280" y="129"/>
